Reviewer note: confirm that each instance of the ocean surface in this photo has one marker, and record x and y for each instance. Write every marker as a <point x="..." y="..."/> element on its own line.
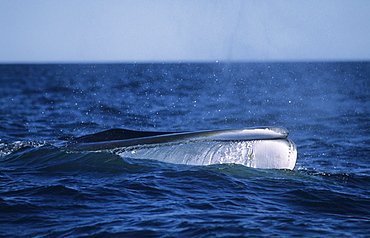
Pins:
<point x="46" y="191"/>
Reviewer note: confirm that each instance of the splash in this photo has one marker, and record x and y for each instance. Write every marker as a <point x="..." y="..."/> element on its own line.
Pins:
<point x="8" y="148"/>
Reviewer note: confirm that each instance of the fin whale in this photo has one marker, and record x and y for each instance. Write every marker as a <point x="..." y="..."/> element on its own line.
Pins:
<point x="259" y="147"/>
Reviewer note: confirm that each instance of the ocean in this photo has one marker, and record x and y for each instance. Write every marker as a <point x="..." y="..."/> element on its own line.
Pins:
<point x="46" y="191"/>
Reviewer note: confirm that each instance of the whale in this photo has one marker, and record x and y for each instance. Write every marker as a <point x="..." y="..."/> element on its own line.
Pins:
<point x="257" y="147"/>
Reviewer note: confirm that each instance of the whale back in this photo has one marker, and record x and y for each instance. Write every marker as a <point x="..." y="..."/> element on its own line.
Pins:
<point x="261" y="147"/>
<point x="116" y="134"/>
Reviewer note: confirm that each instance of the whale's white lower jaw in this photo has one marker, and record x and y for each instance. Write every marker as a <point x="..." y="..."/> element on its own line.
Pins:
<point x="275" y="154"/>
<point x="264" y="154"/>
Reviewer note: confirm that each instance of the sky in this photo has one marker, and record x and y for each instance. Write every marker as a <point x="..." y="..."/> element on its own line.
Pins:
<point x="54" y="31"/>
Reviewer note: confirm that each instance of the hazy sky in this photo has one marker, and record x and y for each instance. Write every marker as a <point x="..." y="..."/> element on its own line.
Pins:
<point x="188" y="30"/>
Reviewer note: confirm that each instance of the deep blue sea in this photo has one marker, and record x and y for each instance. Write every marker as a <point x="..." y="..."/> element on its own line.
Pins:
<point x="46" y="191"/>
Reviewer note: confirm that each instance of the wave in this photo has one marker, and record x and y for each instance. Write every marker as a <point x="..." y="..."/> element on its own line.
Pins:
<point x="44" y="157"/>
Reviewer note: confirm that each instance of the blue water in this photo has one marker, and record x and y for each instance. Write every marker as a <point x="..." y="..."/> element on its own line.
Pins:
<point x="49" y="192"/>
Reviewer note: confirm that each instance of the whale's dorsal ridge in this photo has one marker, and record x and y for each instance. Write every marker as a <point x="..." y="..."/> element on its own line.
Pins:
<point x="116" y="134"/>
